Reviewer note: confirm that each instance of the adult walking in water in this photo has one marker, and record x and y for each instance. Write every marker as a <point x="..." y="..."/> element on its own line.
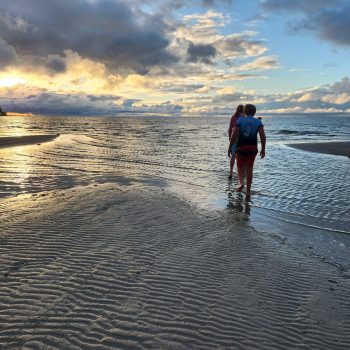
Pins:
<point x="234" y="118"/>
<point x="247" y="129"/>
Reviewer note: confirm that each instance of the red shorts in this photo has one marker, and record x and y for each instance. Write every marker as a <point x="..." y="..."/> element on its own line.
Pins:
<point x="245" y="156"/>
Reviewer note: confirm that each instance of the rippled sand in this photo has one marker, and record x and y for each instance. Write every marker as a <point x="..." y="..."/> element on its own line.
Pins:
<point x="108" y="267"/>
<point x="337" y="148"/>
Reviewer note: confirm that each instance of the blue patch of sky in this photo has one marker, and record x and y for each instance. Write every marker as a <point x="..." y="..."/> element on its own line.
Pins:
<point x="306" y="61"/>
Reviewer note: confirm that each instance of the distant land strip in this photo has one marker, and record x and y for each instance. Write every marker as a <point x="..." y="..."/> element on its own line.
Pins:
<point x="337" y="148"/>
<point x="7" y="141"/>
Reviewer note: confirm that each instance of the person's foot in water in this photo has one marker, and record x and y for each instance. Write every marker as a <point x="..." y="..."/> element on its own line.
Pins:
<point x="230" y="177"/>
<point x="240" y="188"/>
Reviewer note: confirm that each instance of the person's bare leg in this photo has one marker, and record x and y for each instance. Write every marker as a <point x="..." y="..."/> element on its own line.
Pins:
<point x="249" y="172"/>
<point x="241" y="173"/>
<point x="232" y="163"/>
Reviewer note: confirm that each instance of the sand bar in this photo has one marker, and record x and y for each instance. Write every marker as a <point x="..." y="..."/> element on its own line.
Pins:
<point x="337" y="148"/>
<point x="122" y="267"/>
<point x="25" y="140"/>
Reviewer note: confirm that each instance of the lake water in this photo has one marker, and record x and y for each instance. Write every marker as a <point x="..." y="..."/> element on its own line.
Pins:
<point x="189" y="156"/>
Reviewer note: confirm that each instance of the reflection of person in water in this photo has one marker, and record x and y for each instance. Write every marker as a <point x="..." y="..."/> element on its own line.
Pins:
<point x="234" y="118"/>
<point x="238" y="205"/>
<point x="247" y="129"/>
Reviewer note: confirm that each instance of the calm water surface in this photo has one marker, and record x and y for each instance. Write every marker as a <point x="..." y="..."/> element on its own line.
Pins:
<point x="189" y="156"/>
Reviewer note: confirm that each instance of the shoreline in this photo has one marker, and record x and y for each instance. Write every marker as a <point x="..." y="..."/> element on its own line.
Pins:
<point x="339" y="148"/>
<point x="112" y="266"/>
<point x="12" y="141"/>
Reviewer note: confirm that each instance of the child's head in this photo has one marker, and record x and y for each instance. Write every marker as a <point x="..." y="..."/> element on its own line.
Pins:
<point x="239" y="109"/>
<point x="249" y="110"/>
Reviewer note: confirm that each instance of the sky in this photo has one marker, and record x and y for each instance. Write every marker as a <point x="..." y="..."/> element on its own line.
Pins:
<point x="166" y="57"/>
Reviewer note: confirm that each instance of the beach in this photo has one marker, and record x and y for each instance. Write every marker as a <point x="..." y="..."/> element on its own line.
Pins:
<point x="127" y="267"/>
<point x="108" y="245"/>
<point x="336" y="148"/>
<point x="174" y="175"/>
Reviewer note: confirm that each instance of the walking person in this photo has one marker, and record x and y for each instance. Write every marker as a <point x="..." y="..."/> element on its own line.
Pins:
<point x="233" y="121"/>
<point x="247" y="129"/>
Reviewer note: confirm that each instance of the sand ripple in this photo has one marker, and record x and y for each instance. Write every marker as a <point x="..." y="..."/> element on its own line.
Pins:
<point x="123" y="268"/>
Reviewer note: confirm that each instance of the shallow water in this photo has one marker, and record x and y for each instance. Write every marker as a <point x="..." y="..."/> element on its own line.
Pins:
<point x="189" y="156"/>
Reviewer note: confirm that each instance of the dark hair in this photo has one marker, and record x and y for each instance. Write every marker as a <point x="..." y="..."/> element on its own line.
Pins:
<point x="249" y="109"/>
<point x="239" y="110"/>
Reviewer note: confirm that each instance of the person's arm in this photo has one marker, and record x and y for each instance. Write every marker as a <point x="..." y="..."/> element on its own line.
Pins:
<point x="230" y="128"/>
<point x="234" y="134"/>
<point x="263" y="141"/>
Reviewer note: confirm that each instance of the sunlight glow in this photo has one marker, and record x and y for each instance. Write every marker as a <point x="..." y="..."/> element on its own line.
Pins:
<point x="11" y="81"/>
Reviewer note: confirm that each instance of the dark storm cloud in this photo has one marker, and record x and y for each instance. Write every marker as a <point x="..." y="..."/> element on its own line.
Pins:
<point x="102" y="98"/>
<point x="56" y="64"/>
<point x="328" y="19"/>
<point x="8" y="55"/>
<point x="107" y="31"/>
<point x="62" y="104"/>
<point x="200" y="53"/>
<point x="48" y="103"/>
<point x="331" y="24"/>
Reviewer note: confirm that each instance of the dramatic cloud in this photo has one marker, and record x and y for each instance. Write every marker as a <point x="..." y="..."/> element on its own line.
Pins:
<point x="56" y="64"/>
<point x="201" y="53"/>
<point x="328" y="19"/>
<point x="107" y="31"/>
<point x="110" y="57"/>
<point x="39" y="101"/>
<point x="325" y="99"/>
<point x="331" y="24"/>
<point x="71" y="104"/>
<point x="8" y="55"/>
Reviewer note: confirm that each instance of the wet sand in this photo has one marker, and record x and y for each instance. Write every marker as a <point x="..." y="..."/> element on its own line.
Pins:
<point x="336" y="148"/>
<point x="125" y="267"/>
<point x="8" y="141"/>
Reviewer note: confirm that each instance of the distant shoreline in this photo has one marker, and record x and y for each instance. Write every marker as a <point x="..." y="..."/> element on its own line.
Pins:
<point x="8" y="141"/>
<point x="336" y="148"/>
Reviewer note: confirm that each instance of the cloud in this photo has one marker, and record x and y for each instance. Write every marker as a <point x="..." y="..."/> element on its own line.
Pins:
<point x="107" y="31"/>
<point x="327" y="97"/>
<point x="327" y="19"/>
<point x="57" y="104"/>
<point x="40" y="101"/>
<point x="261" y="63"/>
<point x="232" y="96"/>
<point x="56" y="64"/>
<point x="201" y="53"/>
<point x="211" y="101"/>
<point x="240" y="44"/>
<point x="8" y="55"/>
